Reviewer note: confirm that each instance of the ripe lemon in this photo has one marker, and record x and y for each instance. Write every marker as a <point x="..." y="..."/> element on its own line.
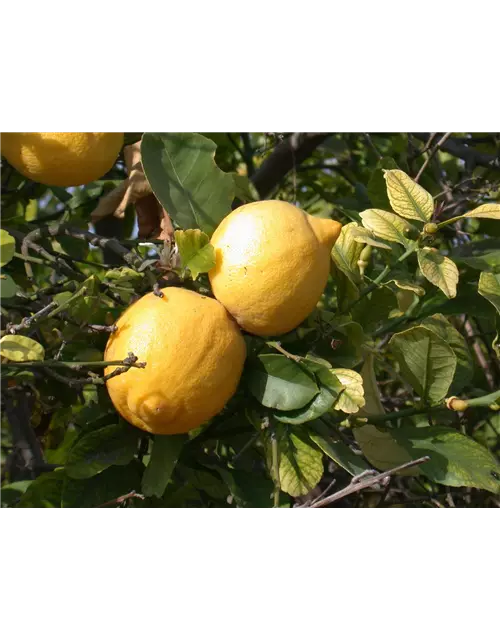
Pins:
<point x="272" y="264"/>
<point x="194" y="353"/>
<point x="62" y="159"/>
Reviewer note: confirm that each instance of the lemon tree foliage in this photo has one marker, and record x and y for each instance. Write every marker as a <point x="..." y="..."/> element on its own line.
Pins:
<point x="243" y="329"/>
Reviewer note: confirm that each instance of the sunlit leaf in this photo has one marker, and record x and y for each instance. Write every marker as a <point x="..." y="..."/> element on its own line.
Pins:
<point x="381" y="449"/>
<point x="8" y="287"/>
<point x="387" y="226"/>
<point x="408" y="198"/>
<point x="360" y="234"/>
<point x="346" y="251"/>
<point x="7" y="247"/>
<point x="21" y="348"/>
<point x="300" y="465"/>
<point x="427" y="362"/>
<point x="195" y="250"/>
<point x="485" y="211"/>
<point x="489" y="288"/>
<point x="352" y="397"/>
<point x="439" y="270"/>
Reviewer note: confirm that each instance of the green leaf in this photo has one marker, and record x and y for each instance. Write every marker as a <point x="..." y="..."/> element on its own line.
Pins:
<point x="300" y="465"/>
<point x="280" y="383"/>
<point x="454" y="339"/>
<point x="11" y="493"/>
<point x="489" y="288"/>
<point x="377" y="191"/>
<point x="387" y="226"/>
<point x="44" y="492"/>
<point x="455" y="460"/>
<point x="100" y="449"/>
<point x="165" y="453"/>
<point x="467" y="298"/>
<point x="21" y="349"/>
<point x="195" y="250"/>
<point x="244" y="188"/>
<point x="346" y="252"/>
<point x="329" y="390"/>
<point x="360" y="234"/>
<point x="249" y="490"/>
<point x="485" y="211"/>
<point x="181" y="170"/>
<point x="337" y="450"/>
<point x="439" y="270"/>
<point x="381" y="449"/>
<point x="104" y="487"/>
<point x="407" y="197"/>
<point x="124" y="276"/>
<point x="8" y="287"/>
<point x="352" y="397"/>
<point x="7" y="247"/>
<point x="426" y="362"/>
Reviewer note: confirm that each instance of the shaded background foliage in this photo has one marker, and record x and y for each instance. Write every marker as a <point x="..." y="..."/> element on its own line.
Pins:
<point x="64" y="445"/>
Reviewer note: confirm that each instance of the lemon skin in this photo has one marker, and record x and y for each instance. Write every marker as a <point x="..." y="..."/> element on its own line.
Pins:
<point x="62" y="159"/>
<point x="194" y="354"/>
<point x="272" y="265"/>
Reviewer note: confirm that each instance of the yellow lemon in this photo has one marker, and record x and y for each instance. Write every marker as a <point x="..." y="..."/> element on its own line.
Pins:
<point x="194" y="353"/>
<point x="272" y="265"/>
<point x="62" y="159"/>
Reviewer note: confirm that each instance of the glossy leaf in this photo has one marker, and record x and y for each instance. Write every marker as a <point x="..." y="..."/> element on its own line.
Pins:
<point x="281" y="383"/>
<point x="454" y="339"/>
<point x="408" y="198"/>
<point x="427" y="362"/>
<point x="387" y="226"/>
<point x="439" y="270"/>
<point x="181" y="170"/>
<point x="455" y="460"/>
<point x="491" y="210"/>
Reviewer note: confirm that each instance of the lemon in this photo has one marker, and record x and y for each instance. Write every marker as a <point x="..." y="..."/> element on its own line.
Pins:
<point x="194" y="353"/>
<point x="62" y="159"/>
<point x="272" y="264"/>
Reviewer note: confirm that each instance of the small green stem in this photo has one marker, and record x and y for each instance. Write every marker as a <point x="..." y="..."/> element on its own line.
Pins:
<point x="445" y="223"/>
<point x="397" y="321"/>
<point x="276" y="469"/>
<point x="404" y="413"/>
<point x="484" y="401"/>
<point x="66" y="304"/>
<point x="31" y="259"/>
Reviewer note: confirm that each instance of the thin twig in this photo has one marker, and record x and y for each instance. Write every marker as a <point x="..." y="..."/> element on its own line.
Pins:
<point x="359" y="486"/>
<point x="121" y="499"/>
<point x="368" y="138"/>
<point x="435" y="149"/>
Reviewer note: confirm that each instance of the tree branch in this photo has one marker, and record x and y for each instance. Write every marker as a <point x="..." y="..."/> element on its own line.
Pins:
<point x="289" y="153"/>
<point x="470" y="155"/>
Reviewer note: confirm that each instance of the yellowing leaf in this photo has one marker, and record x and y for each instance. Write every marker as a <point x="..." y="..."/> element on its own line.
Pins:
<point x="485" y="211"/>
<point x="300" y="466"/>
<point x="489" y="288"/>
<point x="21" y="349"/>
<point x="365" y="236"/>
<point x="439" y="270"/>
<point x="352" y="398"/>
<point x="386" y="225"/>
<point x="346" y="251"/>
<point x="195" y="250"/>
<point x="407" y="197"/>
<point x="7" y="247"/>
